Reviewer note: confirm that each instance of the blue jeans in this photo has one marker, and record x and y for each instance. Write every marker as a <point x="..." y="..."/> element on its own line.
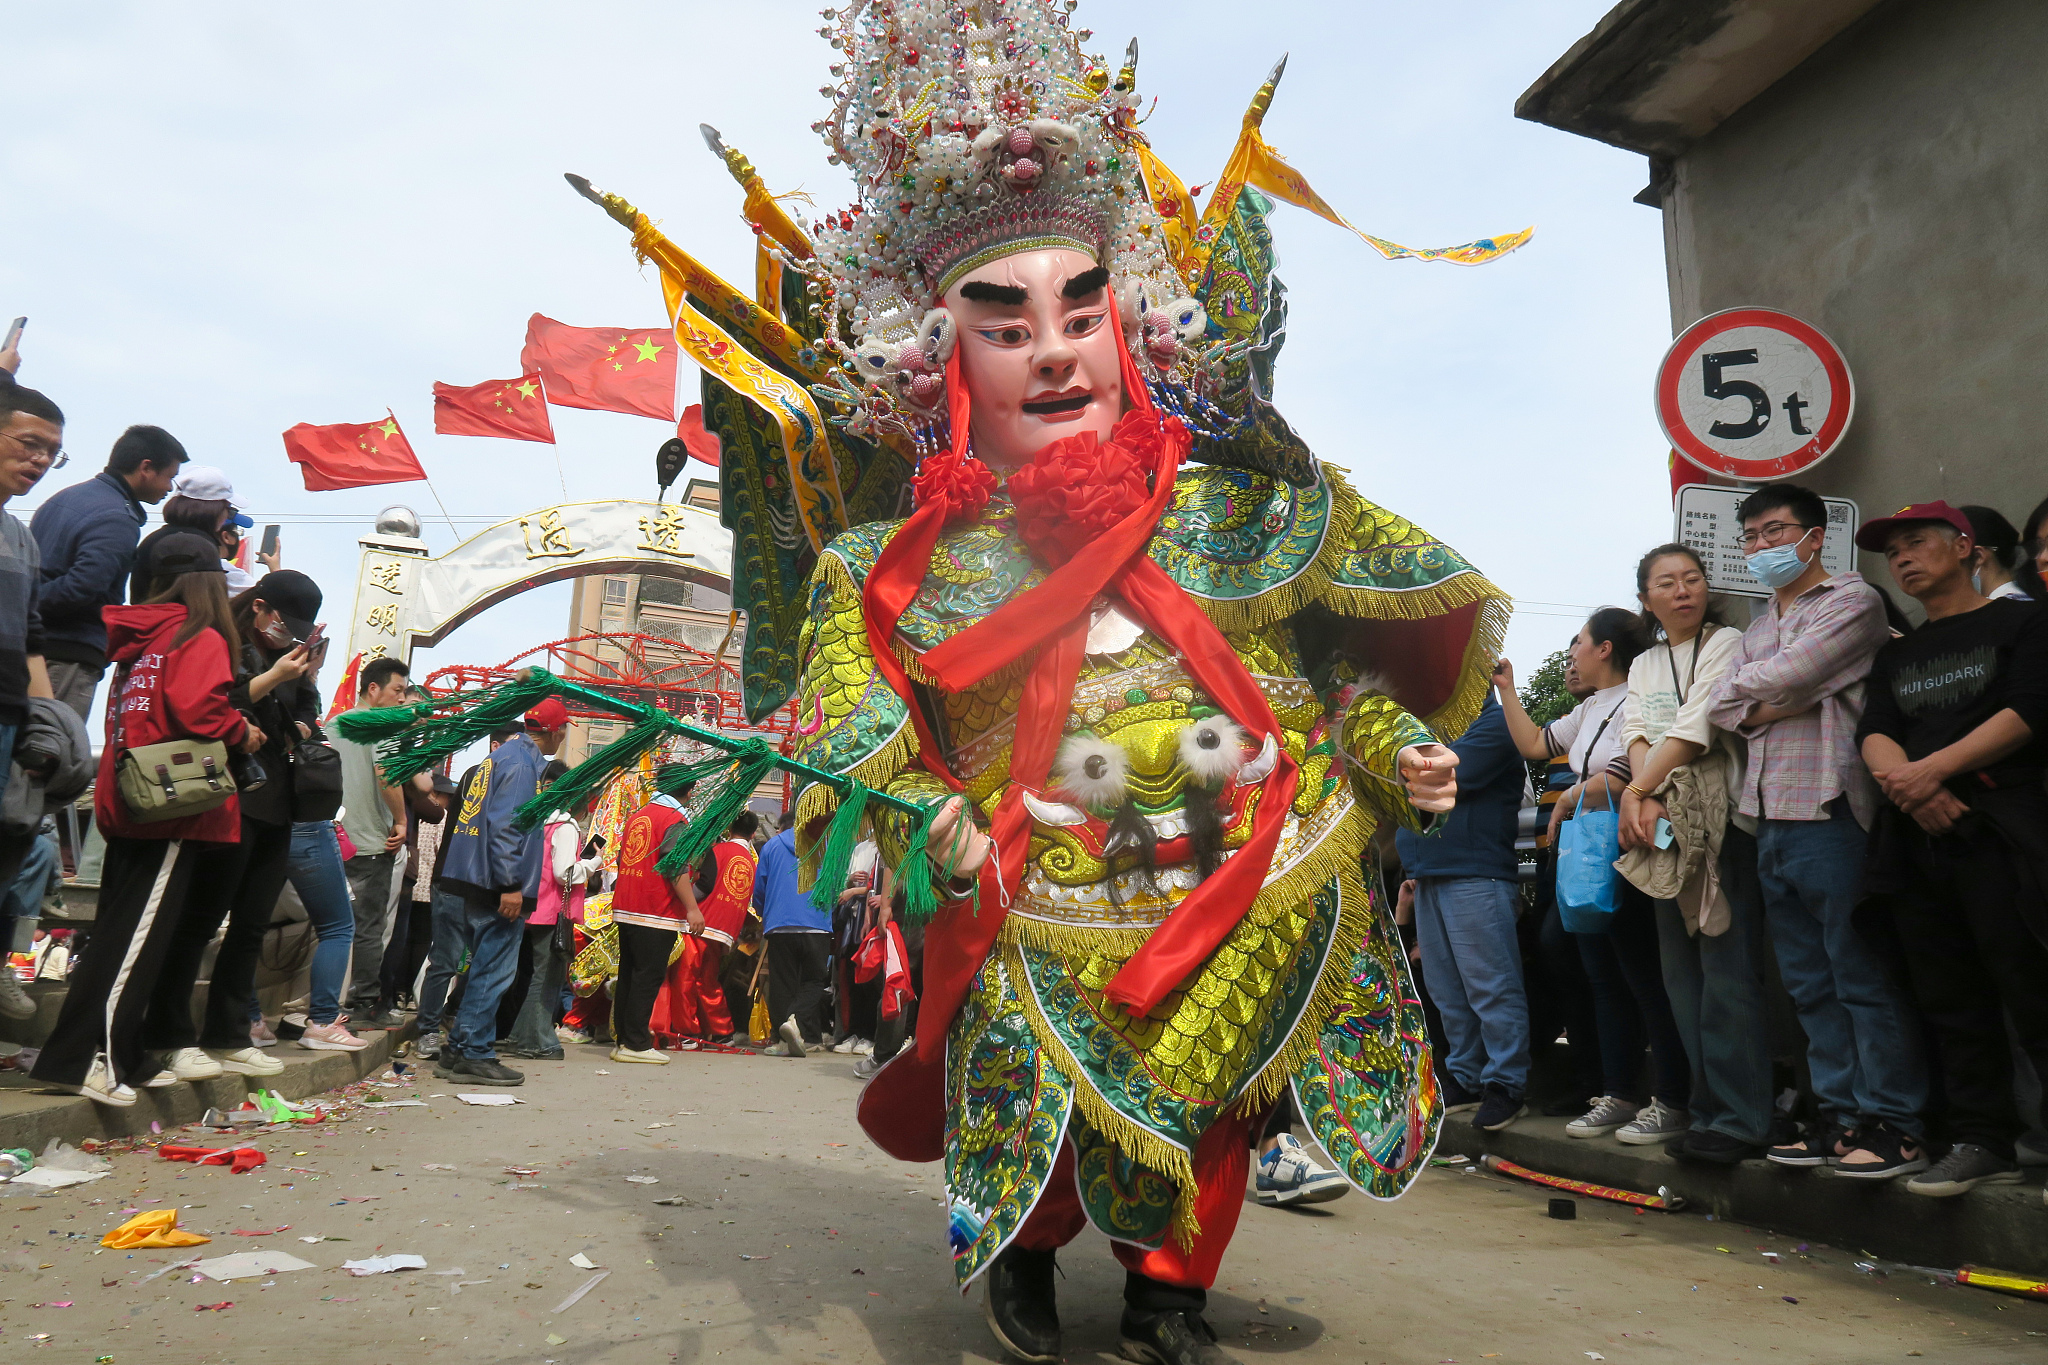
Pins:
<point x="493" y="962"/>
<point x="1716" y="987"/>
<point x="1472" y="964"/>
<point x="315" y="871"/>
<point x="1862" y="1043"/>
<point x="444" y="958"/>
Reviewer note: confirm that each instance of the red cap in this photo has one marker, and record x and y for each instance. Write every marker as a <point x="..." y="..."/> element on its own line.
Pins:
<point x="549" y="715"/>
<point x="1873" y="533"/>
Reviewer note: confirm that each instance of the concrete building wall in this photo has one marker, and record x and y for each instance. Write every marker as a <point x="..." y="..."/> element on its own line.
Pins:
<point x="1893" y="190"/>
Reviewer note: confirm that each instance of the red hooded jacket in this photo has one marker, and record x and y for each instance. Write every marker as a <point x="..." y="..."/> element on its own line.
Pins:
<point x="161" y="693"/>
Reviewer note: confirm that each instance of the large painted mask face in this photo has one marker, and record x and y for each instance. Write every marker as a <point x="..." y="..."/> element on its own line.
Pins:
<point x="1038" y="349"/>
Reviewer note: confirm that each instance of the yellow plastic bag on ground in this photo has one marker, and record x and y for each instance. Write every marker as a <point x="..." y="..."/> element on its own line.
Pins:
<point x="158" y="1228"/>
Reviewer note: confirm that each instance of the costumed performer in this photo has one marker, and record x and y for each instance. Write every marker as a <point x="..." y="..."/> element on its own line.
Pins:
<point x="1160" y="671"/>
<point x="1176" y="700"/>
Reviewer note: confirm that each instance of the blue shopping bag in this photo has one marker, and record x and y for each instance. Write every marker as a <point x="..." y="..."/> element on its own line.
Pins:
<point x="1588" y="887"/>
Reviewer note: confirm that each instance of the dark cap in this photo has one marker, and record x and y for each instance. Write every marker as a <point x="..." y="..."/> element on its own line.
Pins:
<point x="184" y="552"/>
<point x="293" y="596"/>
<point x="443" y="783"/>
<point x="1872" y="535"/>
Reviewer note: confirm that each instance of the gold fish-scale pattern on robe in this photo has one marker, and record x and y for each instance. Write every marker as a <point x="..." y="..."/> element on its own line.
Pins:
<point x="1374" y="731"/>
<point x="835" y="644"/>
<point x="1199" y="1042"/>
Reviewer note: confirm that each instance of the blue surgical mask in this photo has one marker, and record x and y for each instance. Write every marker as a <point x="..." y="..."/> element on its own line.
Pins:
<point x="1777" y="566"/>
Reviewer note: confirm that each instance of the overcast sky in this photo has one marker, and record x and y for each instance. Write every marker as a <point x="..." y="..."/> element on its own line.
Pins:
<point x="229" y="218"/>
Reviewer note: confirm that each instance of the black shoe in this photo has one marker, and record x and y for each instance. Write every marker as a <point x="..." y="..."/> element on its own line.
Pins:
<point x="485" y="1071"/>
<point x="1822" y="1145"/>
<point x="1718" y="1149"/>
<point x="445" y="1064"/>
<point x="1180" y="1336"/>
<point x="1018" y="1303"/>
<point x="1498" y="1109"/>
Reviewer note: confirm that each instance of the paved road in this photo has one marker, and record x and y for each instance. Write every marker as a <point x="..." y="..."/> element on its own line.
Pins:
<point x="848" y="1254"/>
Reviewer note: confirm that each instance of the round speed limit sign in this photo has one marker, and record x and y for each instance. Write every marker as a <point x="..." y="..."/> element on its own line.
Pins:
<point x="1754" y="394"/>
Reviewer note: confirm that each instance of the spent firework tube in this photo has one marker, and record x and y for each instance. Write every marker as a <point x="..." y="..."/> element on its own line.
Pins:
<point x="1662" y="1199"/>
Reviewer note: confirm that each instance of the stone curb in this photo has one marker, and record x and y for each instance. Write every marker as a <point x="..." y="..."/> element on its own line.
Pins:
<point x="2005" y="1226"/>
<point x="29" y="1119"/>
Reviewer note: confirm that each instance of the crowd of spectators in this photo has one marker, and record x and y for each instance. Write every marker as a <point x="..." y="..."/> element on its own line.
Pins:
<point x="1834" y="814"/>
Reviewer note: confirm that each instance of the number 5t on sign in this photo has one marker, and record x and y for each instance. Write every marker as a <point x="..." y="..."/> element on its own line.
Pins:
<point x="1754" y="394"/>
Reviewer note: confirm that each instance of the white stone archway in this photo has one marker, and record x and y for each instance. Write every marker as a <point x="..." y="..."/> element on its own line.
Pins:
<point x="408" y="599"/>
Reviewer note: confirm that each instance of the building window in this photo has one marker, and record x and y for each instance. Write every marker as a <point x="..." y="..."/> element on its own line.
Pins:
<point x="617" y="590"/>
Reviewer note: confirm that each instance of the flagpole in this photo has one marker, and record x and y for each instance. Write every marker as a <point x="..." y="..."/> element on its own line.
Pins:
<point x="444" y="506"/>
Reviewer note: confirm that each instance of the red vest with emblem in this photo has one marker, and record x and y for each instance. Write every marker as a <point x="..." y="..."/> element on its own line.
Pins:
<point x="643" y="896"/>
<point x="725" y="909"/>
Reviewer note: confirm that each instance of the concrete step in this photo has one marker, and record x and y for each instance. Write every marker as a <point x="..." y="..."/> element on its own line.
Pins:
<point x="30" y="1117"/>
<point x="2005" y="1226"/>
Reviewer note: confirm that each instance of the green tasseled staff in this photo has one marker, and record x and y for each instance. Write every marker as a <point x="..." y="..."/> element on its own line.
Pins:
<point x="417" y="737"/>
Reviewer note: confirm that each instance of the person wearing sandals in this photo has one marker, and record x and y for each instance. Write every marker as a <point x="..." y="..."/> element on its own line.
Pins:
<point x="1793" y="691"/>
<point x="1712" y="943"/>
<point x="1623" y="966"/>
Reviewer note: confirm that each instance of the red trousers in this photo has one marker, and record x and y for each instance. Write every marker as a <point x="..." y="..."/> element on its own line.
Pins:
<point x="1222" y="1158"/>
<point x="692" y="999"/>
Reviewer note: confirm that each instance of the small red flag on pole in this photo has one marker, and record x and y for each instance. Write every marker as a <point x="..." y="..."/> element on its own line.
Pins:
<point x="516" y="409"/>
<point x="607" y="369"/>
<point x="352" y="454"/>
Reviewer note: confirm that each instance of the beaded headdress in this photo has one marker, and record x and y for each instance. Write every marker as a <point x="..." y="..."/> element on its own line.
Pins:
<point x="975" y="129"/>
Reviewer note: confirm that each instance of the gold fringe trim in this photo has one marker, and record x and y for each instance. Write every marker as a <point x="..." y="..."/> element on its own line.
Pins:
<point x="1335" y="857"/>
<point x="837" y="575"/>
<point x="1354" y="923"/>
<point x="1337" y="851"/>
<point x="1317" y="577"/>
<point x="1140" y="1144"/>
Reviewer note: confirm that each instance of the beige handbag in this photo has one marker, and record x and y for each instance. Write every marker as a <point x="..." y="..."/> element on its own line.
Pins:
<point x="178" y="777"/>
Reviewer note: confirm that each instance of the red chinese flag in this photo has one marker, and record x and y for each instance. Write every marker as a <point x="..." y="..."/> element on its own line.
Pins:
<point x="513" y="408"/>
<point x="608" y="369"/>
<point x="352" y="454"/>
<point x="702" y="445"/>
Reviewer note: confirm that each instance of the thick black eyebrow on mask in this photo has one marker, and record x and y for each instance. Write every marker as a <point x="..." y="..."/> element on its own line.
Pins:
<point x="982" y="292"/>
<point x="1086" y="283"/>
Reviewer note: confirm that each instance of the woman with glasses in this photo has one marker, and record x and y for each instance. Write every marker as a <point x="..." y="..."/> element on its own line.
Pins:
<point x="1712" y="950"/>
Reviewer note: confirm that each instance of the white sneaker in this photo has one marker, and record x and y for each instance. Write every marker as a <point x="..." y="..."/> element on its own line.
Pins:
<point x="847" y="1045"/>
<point x="163" y="1080"/>
<point x="245" y="1061"/>
<point x="570" y="1035"/>
<point x="333" y="1037"/>
<point x="1654" y="1122"/>
<point x="101" y="1088"/>
<point x="191" y="1064"/>
<point x="863" y="1047"/>
<point x="652" y="1055"/>
<point x="1607" y="1114"/>
<point x="261" y="1035"/>
<point x="792" y="1038"/>
<point x="14" y="1001"/>
<point x="1289" y="1175"/>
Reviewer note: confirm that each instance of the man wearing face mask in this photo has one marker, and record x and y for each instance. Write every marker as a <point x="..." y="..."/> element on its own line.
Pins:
<point x="1794" y="692"/>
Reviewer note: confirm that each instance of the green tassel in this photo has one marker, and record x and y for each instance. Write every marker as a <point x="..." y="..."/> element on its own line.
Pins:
<point x="837" y="848"/>
<point x="916" y="872"/>
<point x="413" y="739"/>
<point x="744" y="768"/>
<point x="591" y="774"/>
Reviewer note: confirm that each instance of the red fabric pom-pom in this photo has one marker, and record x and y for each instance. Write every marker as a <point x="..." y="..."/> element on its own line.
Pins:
<point x="962" y="486"/>
<point x="1077" y="488"/>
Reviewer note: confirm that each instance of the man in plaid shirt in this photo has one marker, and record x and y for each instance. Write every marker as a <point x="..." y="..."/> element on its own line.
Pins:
<point x="1794" y="692"/>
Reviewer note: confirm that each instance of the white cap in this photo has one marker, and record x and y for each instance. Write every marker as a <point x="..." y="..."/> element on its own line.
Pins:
<point x="207" y="484"/>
